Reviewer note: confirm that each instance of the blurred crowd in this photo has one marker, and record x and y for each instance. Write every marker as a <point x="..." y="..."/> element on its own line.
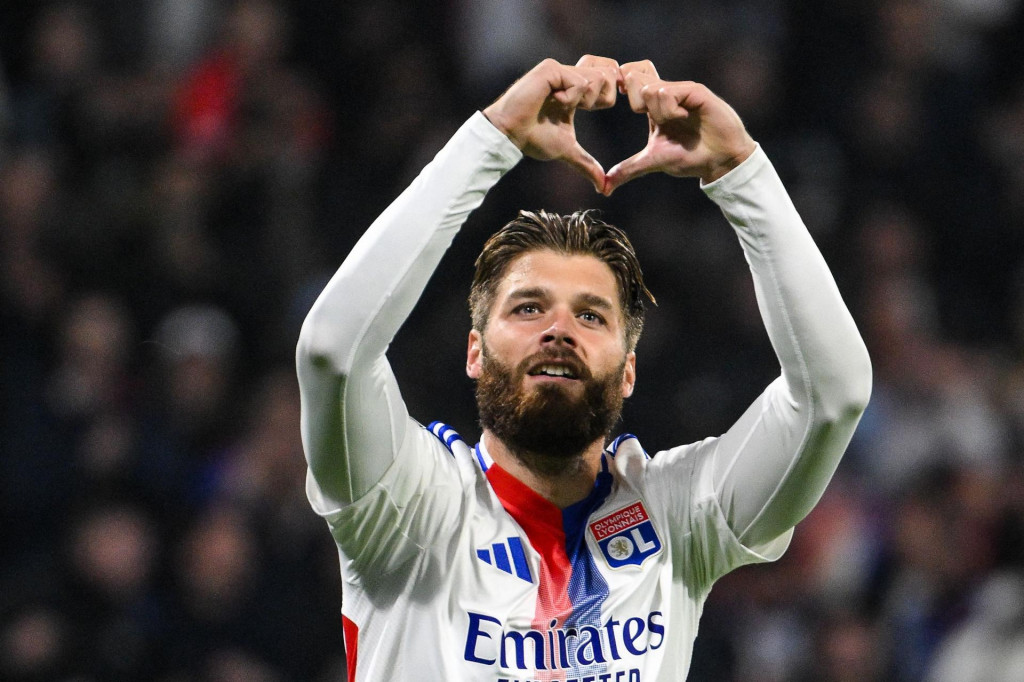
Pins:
<point x="178" y="179"/>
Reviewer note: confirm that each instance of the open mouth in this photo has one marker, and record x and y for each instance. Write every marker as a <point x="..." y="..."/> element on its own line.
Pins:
<point x="557" y="366"/>
<point x="554" y="370"/>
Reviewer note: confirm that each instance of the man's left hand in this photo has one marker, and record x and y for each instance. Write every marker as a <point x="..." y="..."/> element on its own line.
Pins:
<point x="693" y="132"/>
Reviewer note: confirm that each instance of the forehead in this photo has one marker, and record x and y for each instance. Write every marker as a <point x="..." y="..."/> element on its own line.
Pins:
<point x="562" y="274"/>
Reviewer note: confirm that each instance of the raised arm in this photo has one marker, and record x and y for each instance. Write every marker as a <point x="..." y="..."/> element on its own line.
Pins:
<point x="772" y="466"/>
<point x="353" y="419"/>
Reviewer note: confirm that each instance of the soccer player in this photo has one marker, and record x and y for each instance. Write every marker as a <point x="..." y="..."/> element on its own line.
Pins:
<point x="548" y="551"/>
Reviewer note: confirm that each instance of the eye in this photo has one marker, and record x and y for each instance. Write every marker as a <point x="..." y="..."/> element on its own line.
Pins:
<point x="526" y="309"/>
<point x="590" y="317"/>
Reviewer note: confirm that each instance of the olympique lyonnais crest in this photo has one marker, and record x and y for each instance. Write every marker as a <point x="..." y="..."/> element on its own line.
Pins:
<point x="626" y="536"/>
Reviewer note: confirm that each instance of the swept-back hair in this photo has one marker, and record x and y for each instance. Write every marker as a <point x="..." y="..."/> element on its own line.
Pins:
<point x="581" y="233"/>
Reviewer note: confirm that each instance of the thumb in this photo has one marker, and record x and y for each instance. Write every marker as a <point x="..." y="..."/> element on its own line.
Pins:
<point x="624" y="171"/>
<point x="585" y="164"/>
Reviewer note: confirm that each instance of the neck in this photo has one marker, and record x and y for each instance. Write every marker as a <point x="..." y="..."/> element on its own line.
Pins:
<point x="567" y="486"/>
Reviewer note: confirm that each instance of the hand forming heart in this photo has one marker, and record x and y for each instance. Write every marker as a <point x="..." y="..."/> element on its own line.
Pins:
<point x="693" y="132"/>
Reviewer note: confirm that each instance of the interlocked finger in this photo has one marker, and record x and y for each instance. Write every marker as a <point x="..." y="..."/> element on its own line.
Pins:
<point x="663" y="103"/>
<point x="601" y="89"/>
<point x="635" y="76"/>
<point x="594" y="60"/>
<point x="565" y="84"/>
<point x="569" y="86"/>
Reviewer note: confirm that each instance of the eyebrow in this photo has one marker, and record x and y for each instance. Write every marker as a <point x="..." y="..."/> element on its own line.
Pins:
<point x="528" y="292"/>
<point x="540" y="293"/>
<point x="595" y="301"/>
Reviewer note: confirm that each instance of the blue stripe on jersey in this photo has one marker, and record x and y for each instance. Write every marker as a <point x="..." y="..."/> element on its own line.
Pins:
<point x="515" y="546"/>
<point x="501" y="557"/>
<point x="444" y="433"/>
<point x="507" y="557"/>
<point x="480" y="458"/>
<point x="588" y="589"/>
<point x="614" y="445"/>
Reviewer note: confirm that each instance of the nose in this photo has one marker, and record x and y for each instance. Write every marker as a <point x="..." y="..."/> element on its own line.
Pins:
<point x="560" y="331"/>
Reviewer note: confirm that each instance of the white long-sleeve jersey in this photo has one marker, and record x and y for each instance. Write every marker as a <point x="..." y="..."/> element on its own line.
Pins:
<point x="453" y="569"/>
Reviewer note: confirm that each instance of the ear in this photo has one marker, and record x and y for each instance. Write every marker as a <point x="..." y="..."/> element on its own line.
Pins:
<point x="474" y="354"/>
<point x="629" y="375"/>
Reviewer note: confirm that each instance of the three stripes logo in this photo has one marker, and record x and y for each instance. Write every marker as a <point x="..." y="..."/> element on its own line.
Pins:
<point x="507" y="556"/>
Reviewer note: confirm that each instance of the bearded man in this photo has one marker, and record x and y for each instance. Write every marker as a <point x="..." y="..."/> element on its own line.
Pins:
<point x="549" y="551"/>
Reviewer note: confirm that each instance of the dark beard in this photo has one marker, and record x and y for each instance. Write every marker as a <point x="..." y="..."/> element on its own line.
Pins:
<point x="547" y="429"/>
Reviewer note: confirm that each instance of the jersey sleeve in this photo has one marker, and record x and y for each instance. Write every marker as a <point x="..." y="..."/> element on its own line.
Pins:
<point x="744" y="490"/>
<point x="354" y="422"/>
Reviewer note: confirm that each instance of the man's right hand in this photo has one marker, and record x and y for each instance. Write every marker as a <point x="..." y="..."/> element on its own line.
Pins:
<point x="537" y="112"/>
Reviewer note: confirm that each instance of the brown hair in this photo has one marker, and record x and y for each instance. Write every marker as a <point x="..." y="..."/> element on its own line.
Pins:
<point x="581" y="233"/>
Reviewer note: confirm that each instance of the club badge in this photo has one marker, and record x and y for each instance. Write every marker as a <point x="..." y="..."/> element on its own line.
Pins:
<point x="626" y="536"/>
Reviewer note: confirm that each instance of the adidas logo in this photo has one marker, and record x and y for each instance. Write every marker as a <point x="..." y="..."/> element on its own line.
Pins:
<point x="507" y="556"/>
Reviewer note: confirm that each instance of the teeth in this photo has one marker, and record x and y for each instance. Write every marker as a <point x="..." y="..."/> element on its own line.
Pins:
<point x="555" y="371"/>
